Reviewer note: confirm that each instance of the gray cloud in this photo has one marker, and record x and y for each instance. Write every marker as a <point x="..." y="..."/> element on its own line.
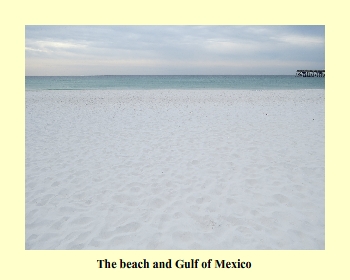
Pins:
<point x="99" y="50"/>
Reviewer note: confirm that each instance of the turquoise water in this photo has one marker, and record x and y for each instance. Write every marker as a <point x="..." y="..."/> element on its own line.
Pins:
<point x="253" y="82"/>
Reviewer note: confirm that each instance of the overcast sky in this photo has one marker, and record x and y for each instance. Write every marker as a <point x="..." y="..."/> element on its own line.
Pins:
<point x="173" y="50"/>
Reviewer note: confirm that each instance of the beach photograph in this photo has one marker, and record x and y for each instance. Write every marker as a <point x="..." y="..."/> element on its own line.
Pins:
<point x="175" y="137"/>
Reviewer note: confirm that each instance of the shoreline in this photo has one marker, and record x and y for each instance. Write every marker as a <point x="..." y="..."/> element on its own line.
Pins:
<point x="175" y="169"/>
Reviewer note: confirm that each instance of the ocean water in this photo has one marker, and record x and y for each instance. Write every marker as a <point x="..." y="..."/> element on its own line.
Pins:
<point x="247" y="82"/>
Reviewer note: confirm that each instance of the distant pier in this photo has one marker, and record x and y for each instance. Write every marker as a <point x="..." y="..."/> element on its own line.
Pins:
<point x="310" y="73"/>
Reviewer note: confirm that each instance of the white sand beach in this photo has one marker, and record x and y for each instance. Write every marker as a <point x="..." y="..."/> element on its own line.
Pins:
<point x="175" y="169"/>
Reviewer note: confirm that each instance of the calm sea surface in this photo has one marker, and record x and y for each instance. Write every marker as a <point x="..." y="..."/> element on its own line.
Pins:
<point x="254" y="82"/>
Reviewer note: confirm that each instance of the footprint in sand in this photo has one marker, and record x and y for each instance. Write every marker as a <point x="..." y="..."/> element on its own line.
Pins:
<point x="81" y="220"/>
<point x="135" y="189"/>
<point x="157" y="202"/>
<point x="54" y="184"/>
<point x="177" y="215"/>
<point x="59" y="224"/>
<point x="129" y="227"/>
<point x="230" y="201"/>
<point x="281" y="198"/>
<point x="41" y="201"/>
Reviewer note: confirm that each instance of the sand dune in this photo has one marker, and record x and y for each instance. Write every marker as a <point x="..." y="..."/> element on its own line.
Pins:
<point x="175" y="169"/>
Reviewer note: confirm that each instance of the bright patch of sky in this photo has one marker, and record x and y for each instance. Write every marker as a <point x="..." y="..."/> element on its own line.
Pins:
<point x="173" y="50"/>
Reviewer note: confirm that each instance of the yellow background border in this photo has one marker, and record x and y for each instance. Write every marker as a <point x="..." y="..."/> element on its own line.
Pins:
<point x="17" y="263"/>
